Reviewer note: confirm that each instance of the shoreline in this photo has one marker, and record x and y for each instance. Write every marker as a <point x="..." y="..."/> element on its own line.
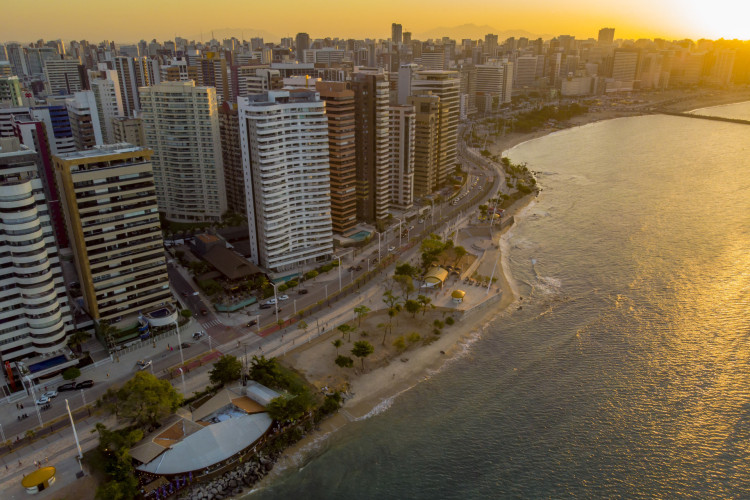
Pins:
<point x="375" y="390"/>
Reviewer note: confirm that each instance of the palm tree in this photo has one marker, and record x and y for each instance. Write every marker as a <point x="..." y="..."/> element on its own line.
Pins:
<point x="77" y="338"/>
<point x="337" y="343"/>
<point x="361" y="311"/>
<point x="424" y="302"/>
<point x="362" y="349"/>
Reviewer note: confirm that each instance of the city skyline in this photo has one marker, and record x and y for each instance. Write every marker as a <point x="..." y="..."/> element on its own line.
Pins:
<point x="581" y="18"/>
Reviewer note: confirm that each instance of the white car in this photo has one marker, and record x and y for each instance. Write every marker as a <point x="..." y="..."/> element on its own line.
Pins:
<point x="142" y="365"/>
<point x="42" y="400"/>
<point x="390" y="249"/>
<point x="271" y="302"/>
<point x="50" y="394"/>
<point x="284" y="297"/>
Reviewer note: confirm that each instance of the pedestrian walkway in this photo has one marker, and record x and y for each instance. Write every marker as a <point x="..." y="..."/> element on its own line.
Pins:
<point x="209" y="324"/>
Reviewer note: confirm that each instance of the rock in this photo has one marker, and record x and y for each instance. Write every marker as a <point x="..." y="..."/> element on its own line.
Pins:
<point x="232" y="483"/>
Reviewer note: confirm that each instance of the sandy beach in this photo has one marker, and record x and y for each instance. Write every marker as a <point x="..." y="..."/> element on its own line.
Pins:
<point x="388" y="373"/>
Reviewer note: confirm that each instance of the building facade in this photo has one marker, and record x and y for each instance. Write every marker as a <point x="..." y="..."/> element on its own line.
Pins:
<point x="401" y="151"/>
<point x="111" y="212"/>
<point x="285" y="159"/>
<point x="181" y="125"/>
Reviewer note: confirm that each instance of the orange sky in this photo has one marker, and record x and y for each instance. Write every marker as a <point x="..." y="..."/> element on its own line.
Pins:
<point x="132" y="20"/>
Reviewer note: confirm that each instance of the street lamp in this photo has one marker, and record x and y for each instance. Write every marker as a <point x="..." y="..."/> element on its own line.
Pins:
<point x="75" y="434"/>
<point x="378" y="246"/>
<point x="33" y="397"/>
<point x="276" y="301"/>
<point x="339" y="259"/>
<point x="179" y="341"/>
<point x="182" y="375"/>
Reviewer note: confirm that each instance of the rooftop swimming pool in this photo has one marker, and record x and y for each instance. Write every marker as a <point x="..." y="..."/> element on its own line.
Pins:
<point x="360" y="236"/>
<point x="160" y="313"/>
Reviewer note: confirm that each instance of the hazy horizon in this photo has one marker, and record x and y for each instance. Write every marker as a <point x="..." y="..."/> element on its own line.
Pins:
<point x="138" y="19"/>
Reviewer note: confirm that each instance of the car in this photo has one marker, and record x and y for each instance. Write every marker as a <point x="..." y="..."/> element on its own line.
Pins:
<point x="284" y="297"/>
<point x="70" y="386"/>
<point x="358" y="268"/>
<point x="42" y="400"/>
<point x="421" y="221"/>
<point x="185" y="345"/>
<point x="270" y="302"/>
<point x="390" y="249"/>
<point x="199" y="334"/>
<point x="303" y="291"/>
<point x="142" y="365"/>
<point x="184" y="294"/>
<point x="252" y="322"/>
<point x="195" y="294"/>
<point x="204" y="312"/>
<point x="50" y="394"/>
<point x="266" y="306"/>
<point x="85" y="384"/>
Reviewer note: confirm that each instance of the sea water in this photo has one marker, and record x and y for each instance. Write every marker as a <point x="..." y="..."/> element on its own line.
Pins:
<point x="625" y="374"/>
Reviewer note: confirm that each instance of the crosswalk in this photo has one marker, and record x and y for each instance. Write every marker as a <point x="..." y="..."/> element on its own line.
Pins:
<point x="213" y="322"/>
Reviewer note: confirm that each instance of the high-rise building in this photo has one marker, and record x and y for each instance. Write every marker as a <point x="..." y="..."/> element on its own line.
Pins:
<point x="18" y="60"/>
<point x="445" y="85"/>
<point x="105" y="85"/>
<point x="132" y="73"/>
<point x="34" y="312"/>
<point x="301" y="44"/>
<point x="407" y="37"/>
<point x="57" y="123"/>
<point x="10" y="92"/>
<point x="525" y="71"/>
<point x="405" y="75"/>
<point x="401" y="152"/>
<point x="63" y="76"/>
<point x="339" y="99"/>
<point x="178" y="70"/>
<point x="128" y="130"/>
<point x="113" y="220"/>
<point x="396" y="33"/>
<point x="231" y="153"/>
<point x="285" y="158"/>
<point x="426" y="137"/>
<point x="215" y="72"/>
<point x="606" y="36"/>
<point x="37" y="56"/>
<point x="84" y="120"/>
<point x="181" y="125"/>
<point x="371" y="99"/>
<point x="490" y="45"/>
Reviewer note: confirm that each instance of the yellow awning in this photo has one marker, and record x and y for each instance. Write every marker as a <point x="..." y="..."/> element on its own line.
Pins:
<point x="458" y="294"/>
<point x="38" y="477"/>
<point x="436" y="275"/>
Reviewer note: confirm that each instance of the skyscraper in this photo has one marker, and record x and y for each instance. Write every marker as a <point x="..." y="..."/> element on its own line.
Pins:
<point x="401" y="148"/>
<point x="302" y="43"/>
<point x="231" y="153"/>
<point x="285" y="159"/>
<point x="105" y="85"/>
<point x="396" y="33"/>
<point x="84" y="120"/>
<point x="339" y="101"/>
<point x="113" y="220"/>
<point x="63" y="76"/>
<point x="445" y="85"/>
<point x="181" y="125"/>
<point x="606" y="36"/>
<point x="34" y="312"/>
<point x="371" y="96"/>
<point x="426" y="136"/>
<point x="132" y="73"/>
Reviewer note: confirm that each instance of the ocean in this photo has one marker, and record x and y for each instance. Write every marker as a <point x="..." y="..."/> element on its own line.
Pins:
<point x="626" y="373"/>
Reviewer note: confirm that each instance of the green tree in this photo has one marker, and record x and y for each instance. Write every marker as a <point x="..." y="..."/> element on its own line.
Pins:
<point x="225" y="370"/>
<point x="337" y="343"/>
<point x="460" y="252"/>
<point x="145" y="399"/>
<point x="71" y="373"/>
<point x="77" y="338"/>
<point x="345" y="329"/>
<point x="302" y="325"/>
<point x="310" y="275"/>
<point x="288" y="408"/>
<point x="114" y="450"/>
<point x="405" y="283"/>
<point x="362" y="349"/>
<point x="406" y="269"/>
<point x="265" y="371"/>
<point x="186" y="313"/>
<point x="361" y="312"/>
<point x="413" y="307"/>
<point x="424" y="303"/>
<point x="400" y="343"/>
<point x="344" y="361"/>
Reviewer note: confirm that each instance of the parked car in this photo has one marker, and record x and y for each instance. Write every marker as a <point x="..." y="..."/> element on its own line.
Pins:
<point x="199" y="334"/>
<point x="303" y="291"/>
<point x="70" y="386"/>
<point x="50" y="394"/>
<point x="85" y="384"/>
<point x="266" y="306"/>
<point x="42" y="400"/>
<point x="204" y="312"/>
<point x="390" y="249"/>
<point x="284" y="297"/>
<point x="252" y="322"/>
<point x="270" y="302"/>
<point x="142" y="365"/>
<point x="185" y="345"/>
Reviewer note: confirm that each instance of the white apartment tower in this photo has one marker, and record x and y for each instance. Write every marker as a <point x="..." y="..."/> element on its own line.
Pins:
<point x="401" y="149"/>
<point x="84" y="120"/>
<point x="181" y="125"/>
<point x="284" y="138"/>
<point x="34" y="312"/>
<point x="105" y="84"/>
<point x="62" y="76"/>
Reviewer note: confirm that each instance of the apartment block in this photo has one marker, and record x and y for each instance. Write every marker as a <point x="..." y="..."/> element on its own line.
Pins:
<point x="231" y="153"/>
<point x="63" y="76"/>
<point x="285" y="159"/>
<point x="84" y="120"/>
<point x="426" y="142"/>
<point x="181" y="125"/>
<point x="34" y="313"/>
<point x="111" y="212"/>
<point x="339" y="99"/>
<point x="128" y="130"/>
<point x="401" y="151"/>
<point x="10" y="92"/>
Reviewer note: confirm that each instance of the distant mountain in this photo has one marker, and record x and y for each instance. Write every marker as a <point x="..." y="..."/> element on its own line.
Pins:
<point x="475" y="32"/>
<point x="239" y="33"/>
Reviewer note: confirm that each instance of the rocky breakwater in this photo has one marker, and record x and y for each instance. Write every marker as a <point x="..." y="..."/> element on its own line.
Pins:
<point x="234" y="482"/>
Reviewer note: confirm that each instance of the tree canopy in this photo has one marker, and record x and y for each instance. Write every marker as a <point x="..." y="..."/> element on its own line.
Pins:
<point x="226" y="369"/>
<point x="144" y="399"/>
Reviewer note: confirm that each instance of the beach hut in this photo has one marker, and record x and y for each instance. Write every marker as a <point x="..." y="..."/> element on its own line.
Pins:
<point x="458" y="296"/>
<point x="435" y="277"/>
<point x="39" y="480"/>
